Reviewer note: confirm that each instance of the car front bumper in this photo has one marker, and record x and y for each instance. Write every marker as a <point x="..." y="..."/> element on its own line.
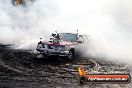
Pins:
<point x="55" y="53"/>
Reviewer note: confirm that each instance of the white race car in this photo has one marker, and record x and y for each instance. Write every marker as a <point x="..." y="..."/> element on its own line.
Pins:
<point x="62" y="45"/>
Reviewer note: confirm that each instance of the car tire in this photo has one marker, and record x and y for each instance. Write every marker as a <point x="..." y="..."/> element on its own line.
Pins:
<point x="72" y="54"/>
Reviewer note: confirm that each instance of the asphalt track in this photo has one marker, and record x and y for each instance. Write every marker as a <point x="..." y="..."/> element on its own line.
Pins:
<point x="19" y="69"/>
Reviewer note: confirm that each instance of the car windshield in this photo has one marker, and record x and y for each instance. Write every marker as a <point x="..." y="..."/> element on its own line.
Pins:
<point x="69" y="37"/>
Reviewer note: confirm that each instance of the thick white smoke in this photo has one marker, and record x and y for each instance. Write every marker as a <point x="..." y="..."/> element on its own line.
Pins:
<point x="23" y="26"/>
<point x="107" y="21"/>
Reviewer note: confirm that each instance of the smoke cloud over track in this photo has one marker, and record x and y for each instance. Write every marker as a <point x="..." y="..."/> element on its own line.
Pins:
<point x="108" y="22"/>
